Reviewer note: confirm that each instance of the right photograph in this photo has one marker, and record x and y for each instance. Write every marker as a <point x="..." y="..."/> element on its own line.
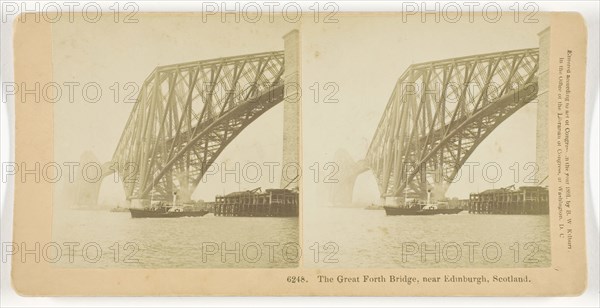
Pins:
<point x="425" y="142"/>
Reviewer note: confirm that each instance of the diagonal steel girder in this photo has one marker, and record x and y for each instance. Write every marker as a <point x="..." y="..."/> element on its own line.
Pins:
<point x="186" y="114"/>
<point x="439" y="112"/>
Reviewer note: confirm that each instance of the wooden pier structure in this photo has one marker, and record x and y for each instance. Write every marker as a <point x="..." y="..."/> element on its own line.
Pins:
<point x="525" y="200"/>
<point x="255" y="203"/>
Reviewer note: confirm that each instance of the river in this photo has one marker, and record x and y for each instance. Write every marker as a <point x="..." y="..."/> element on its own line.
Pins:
<point x="369" y="238"/>
<point x="194" y="242"/>
<point x="332" y="237"/>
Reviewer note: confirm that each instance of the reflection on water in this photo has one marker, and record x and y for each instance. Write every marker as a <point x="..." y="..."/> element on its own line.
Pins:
<point x="195" y="242"/>
<point x="369" y="238"/>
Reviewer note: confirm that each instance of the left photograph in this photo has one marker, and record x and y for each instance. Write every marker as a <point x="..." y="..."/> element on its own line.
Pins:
<point x="181" y="134"/>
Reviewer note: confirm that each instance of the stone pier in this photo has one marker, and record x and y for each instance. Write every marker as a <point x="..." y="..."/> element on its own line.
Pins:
<point x="542" y="106"/>
<point x="291" y="112"/>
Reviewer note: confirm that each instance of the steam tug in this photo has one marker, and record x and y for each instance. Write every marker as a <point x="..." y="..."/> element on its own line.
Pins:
<point x="418" y="208"/>
<point x="165" y="210"/>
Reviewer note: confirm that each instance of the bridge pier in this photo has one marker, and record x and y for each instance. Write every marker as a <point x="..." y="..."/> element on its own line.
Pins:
<point x="438" y="190"/>
<point x="290" y="176"/>
<point x="542" y="106"/>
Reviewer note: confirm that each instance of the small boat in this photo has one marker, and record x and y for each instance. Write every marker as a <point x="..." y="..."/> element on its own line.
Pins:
<point x="166" y="212"/>
<point x="119" y="209"/>
<point x="374" y="207"/>
<point x="419" y="209"/>
<point x="415" y="207"/>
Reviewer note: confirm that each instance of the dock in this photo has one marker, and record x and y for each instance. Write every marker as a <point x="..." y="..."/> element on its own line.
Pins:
<point x="255" y="203"/>
<point x="525" y="200"/>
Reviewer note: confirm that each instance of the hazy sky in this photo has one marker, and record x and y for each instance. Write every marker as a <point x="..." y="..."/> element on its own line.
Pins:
<point x="363" y="56"/>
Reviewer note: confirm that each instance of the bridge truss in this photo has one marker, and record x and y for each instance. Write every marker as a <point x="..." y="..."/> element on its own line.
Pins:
<point x="186" y="114"/>
<point x="439" y="112"/>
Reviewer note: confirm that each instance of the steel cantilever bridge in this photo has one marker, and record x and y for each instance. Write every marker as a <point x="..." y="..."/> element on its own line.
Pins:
<point x="186" y="114"/>
<point x="437" y="115"/>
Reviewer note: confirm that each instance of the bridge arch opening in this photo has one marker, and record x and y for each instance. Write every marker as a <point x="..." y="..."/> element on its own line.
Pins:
<point x="501" y="160"/>
<point x="365" y="190"/>
<point x="244" y="162"/>
<point x="111" y="192"/>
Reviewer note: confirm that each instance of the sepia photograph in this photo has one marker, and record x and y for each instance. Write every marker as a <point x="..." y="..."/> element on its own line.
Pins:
<point x="184" y="142"/>
<point x="298" y="149"/>
<point x="439" y="138"/>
